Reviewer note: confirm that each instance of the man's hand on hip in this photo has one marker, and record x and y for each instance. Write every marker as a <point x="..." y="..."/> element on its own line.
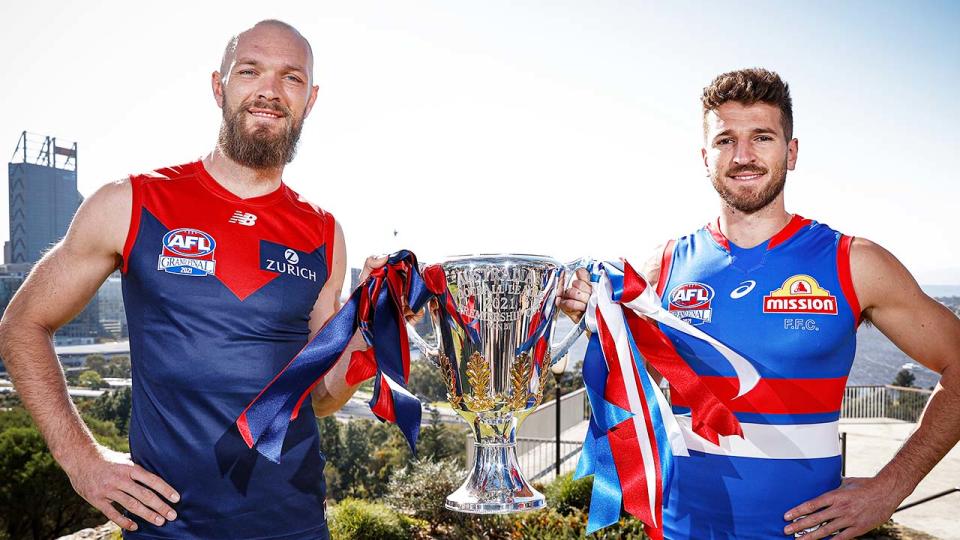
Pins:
<point x="856" y="507"/>
<point x="110" y="477"/>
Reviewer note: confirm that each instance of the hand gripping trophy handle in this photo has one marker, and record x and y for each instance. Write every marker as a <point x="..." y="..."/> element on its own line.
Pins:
<point x="493" y="347"/>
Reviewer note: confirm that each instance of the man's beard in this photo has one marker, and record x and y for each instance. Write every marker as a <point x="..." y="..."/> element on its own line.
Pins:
<point x="750" y="202"/>
<point x="259" y="148"/>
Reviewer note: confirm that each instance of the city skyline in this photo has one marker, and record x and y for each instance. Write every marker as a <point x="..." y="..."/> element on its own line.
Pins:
<point x="461" y="126"/>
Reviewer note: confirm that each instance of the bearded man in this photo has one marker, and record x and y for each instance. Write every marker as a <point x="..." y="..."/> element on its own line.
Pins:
<point x="227" y="273"/>
<point x="788" y="293"/>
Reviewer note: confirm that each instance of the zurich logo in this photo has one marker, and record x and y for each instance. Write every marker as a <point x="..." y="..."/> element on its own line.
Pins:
<point x="743" y="290"/>
<point x="291" y="256"/>
<point x="189" y="243"/>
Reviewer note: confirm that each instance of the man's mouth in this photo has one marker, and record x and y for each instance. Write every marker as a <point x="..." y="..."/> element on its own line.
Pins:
<point x="747" y="175"/>
<point x="265" y="113"/>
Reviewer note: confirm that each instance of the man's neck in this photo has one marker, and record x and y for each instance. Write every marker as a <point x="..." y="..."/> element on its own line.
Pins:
<point x="749" y="230"/>
<point x="242" y="181"/>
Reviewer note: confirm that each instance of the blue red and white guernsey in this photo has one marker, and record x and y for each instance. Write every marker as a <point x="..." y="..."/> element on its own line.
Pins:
<point x="218" y="293"/>
<point x="788" y="306"/>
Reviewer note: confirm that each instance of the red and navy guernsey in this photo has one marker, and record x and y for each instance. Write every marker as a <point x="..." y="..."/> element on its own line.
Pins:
<point x="788" y="306"/>
<point x="218" y="292"/>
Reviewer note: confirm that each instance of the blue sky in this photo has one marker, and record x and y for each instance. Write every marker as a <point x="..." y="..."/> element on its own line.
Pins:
<point x="562" y="128"/>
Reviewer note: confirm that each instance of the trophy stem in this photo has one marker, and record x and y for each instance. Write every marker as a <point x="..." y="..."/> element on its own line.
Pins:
<point x="495" y="485"/>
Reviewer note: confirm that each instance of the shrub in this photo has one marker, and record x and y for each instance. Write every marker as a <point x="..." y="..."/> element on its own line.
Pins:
<point x="355" y="519"/>
<point x="420" y="489"/>
<point x="566" y="494"/>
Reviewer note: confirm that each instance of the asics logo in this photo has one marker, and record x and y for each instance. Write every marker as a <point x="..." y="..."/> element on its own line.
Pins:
<point x="243" y="218"/>
<point x="743" y="290"/>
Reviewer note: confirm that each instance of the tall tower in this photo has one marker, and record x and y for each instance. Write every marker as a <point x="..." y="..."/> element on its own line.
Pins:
<point x="43" y="196"/>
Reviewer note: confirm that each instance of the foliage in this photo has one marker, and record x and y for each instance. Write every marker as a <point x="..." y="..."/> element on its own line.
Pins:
<point x="426" y="381"/>
<point x="440" y="441"/>
<point x="354" y="519"/>
<point x="36" y="498"/>
<point x="113" y="407"/>
<point x="91" y="379"/>
<point x="419" y="490"/>
<point x="118" y="366"/>
<point x="363" y="454"/>
<point x="553" y="525"/>
<point x="566" y="494"/>
<point x="904" y="378"/>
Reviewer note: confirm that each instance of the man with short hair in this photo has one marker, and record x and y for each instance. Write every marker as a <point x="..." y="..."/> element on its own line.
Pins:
<point x="788" y="293"/>
<point x="227" y="272"/>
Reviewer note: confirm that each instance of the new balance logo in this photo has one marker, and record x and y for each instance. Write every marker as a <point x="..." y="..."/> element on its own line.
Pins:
<point x="243" y="218"/>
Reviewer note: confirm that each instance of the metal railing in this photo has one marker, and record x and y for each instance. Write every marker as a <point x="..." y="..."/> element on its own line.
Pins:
<point x="538" y="456"/>
<point x="887" y="401"/>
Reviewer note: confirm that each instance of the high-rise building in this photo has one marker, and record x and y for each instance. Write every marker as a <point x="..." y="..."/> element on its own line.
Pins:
<point x="43" y="199"/>
<point x="43" y="196"/>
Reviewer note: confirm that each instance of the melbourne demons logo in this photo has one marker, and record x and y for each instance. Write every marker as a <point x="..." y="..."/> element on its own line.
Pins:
<point x="800" y="294"/>
<point x="691" y="302"/>
<point x="187" y="252"/>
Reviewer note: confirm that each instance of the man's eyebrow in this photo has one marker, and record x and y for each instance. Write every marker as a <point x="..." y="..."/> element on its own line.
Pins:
<point x="755" y="131"/>
<point x="254" y="62"/>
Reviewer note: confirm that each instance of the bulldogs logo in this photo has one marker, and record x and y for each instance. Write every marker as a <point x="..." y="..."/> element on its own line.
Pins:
<point x="800" y="294"/>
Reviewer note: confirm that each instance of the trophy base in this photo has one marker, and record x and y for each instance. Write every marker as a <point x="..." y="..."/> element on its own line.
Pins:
<point x="495" y="485"/>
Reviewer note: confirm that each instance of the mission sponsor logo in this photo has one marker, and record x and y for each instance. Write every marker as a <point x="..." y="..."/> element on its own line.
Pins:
<point x="691" y="302"/>
<point x="800" y="294"/>
<point x="284" y="260"/>
<point x="187" y="252"/>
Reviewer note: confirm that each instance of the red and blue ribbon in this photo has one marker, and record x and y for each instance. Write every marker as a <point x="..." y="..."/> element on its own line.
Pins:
<point x="633" y="437"/>
<point x="378" y="309"/>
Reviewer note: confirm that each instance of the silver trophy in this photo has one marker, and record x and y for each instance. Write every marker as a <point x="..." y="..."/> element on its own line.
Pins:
<point x="494" y="349"/>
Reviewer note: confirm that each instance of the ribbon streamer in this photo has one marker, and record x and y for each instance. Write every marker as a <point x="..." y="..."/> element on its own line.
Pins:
<point x="633" y="436"/>
<point x="378" y="308"/>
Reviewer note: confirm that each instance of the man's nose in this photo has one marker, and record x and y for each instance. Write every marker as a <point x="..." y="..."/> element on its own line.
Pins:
<point x="743" y="153"/>
<point x="269" y="88"/>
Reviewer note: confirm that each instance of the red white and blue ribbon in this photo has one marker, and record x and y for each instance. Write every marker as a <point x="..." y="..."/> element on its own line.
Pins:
<point x="633" y="436"/>
<point x="378" y="308"/>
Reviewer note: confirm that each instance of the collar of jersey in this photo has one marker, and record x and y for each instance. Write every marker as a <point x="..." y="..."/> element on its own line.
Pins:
<point x="796" y="223"/>
<point x="214" y="187"/>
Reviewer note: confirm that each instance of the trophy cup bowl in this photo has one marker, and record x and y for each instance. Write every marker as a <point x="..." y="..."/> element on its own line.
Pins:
<point x="494" y="348"/>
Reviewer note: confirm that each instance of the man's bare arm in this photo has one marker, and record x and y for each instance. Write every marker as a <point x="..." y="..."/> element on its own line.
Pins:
<point x="930" y="334"/>
<point x="57" y="289"/>
<point x="333" y="391"/>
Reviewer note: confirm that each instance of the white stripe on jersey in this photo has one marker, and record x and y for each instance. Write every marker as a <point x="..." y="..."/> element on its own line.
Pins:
<point x="769" y="441"/>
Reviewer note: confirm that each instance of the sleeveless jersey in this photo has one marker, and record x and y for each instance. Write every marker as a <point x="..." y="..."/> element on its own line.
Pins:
<point x="218" y="292"/>
<point x="788" y="306"/>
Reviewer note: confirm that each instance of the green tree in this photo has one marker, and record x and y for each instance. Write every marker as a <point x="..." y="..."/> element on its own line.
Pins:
<point x="36" y="498"/>
<point x="113" y="407"/>
<point x="91" y="379"/>
<point x="96" y="362"/>
<point x="426" y="381"/>
<point x="439" y="441"/>
<point x="904" y="378"/>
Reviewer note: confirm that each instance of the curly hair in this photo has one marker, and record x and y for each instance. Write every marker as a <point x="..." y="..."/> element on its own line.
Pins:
<point x="750" y="86"/>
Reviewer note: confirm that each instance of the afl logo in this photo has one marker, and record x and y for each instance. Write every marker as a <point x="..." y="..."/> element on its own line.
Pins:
<point x="691" y="302"/>
<point x="187" y="252"/>
<point x="189" y="243"/>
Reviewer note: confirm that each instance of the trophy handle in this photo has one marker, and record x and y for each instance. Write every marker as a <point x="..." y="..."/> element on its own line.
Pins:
<point x="558" y="351"/>
<point x="430" y="352"/>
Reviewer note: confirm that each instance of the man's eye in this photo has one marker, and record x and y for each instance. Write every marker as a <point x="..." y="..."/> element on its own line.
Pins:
<point x="724" y="141"/>
<point x="294" y="78"/>
<point x="246" y="72"/>
<point x="764" y="138"/>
